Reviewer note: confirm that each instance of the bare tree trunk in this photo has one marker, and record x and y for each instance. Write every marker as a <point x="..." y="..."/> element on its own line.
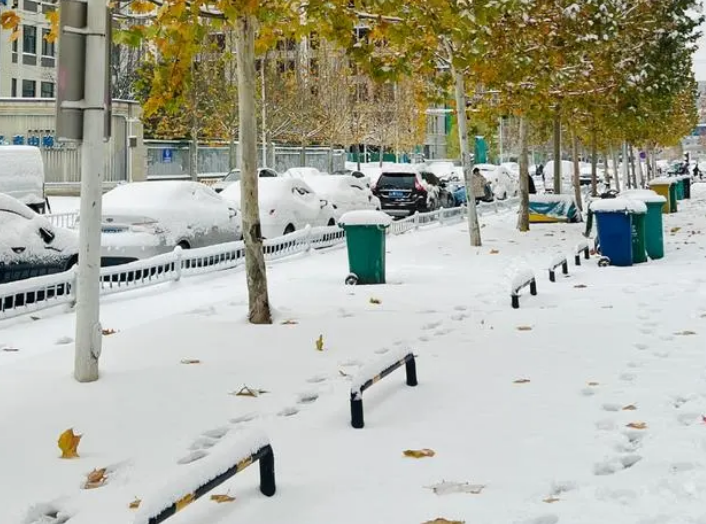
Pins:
<point x="557" y="150"/>
<point x="259" y="302"/>
<point x="640" y="171"/>
<point x="606" y="173"/>
<point x="616" y="173"/>
<point x="576" y="179"/>
<point x="460" y="95"/>
<point x="194" y="155"/>
<point x="594" y="163"/>
<point x="523" y="216"/>
<point x="631" y="157"/>
<point x="624" y="167"/>
<point x="356" y="151"/>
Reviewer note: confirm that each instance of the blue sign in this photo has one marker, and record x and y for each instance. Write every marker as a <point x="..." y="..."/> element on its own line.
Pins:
<point x="167" y="156"/>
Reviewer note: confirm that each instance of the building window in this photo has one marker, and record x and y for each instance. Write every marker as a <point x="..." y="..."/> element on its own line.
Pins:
<point x="47" y="90"/>
<point x="13" y="93"/>
<point x="29" y="40"/>
<point x="29" y="88"/>
<point x="48" y="48"/>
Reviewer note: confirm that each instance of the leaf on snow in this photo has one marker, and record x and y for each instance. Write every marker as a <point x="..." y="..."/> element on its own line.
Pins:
<point x="637" y="425"/>
<point x="685" y="333"/>
<point x="494" y="251"/>
<point x="593" y="384"/>
<point x="290" y="322"/>
<point x="135" y="504"/>
<point x="343" y="373"/>
<point x="419" y="453"/>
<point x="522" y="381"/>
<point x="190" y="361"/>
<point x="440" y="520"/>
<point x="9" y="349"/>
<point x="580" y="286"/>
<point x="108" y="331"/>
<point x="675" y="230"/>
<point x="247" y="391"/>
<point x="95" y="479"/>
<point x="630" y="407"/>
<point x="320" y="343"/>
<point x="220" y="499"/>
<point x="551" y="500"/>
<point x="68" y="444"/>
<point x="524" y="328"/>
<point x="374" y="300"/>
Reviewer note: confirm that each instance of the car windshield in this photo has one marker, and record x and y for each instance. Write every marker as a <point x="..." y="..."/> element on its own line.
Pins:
<point x="396" y="181"/>
<point x="233" y="176"/>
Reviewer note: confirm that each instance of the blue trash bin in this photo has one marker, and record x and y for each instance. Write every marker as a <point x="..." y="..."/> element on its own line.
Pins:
<point x="615" y="231"/>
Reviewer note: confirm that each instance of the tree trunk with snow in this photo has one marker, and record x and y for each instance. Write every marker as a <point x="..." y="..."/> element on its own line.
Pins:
<point x="616" y="173"/>
<point x="640" y="171"/>
<point x="523" y="216"/>
<point x="594" y="162"/>
<point x="557" y="150"/>
<point x="460" y="95"/>
<point x="576" y="178"/>
<point x="624" y="167"/>
<point x="194" y="154"/>
<point x="631" y="156"/>
<point x="256" y="273"/>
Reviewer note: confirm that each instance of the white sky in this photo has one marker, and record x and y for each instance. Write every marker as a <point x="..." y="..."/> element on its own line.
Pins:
<point x="700" y="60"/>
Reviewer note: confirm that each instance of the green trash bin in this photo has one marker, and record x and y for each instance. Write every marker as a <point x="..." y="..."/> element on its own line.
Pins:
<point x="638" y="212"/>
<point x="667" y="187"/>
<point x="365" y="239"/>
<point x="680" y="188"/>
<point x="654" y="232"/>
<point x="687" y="187"/>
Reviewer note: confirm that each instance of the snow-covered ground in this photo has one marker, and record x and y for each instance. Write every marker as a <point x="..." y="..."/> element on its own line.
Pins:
<point x="64" y="204"/>
<point x="530" y="406"/>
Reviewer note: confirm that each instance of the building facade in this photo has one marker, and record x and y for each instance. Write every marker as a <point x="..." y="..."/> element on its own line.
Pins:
<point x="28" y="63"/>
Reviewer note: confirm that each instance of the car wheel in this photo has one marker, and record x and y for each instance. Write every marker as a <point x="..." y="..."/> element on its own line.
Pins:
<point x="72" y="262"/>
<point x="289" y="229"/>
<point x="331" y="222"/>
<point x="184" y="244"/>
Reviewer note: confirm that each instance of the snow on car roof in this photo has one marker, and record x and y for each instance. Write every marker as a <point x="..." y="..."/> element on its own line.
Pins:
<point x="269" y="188"/>
<point x="150" y="194"/>
<point x="299" y="172"/>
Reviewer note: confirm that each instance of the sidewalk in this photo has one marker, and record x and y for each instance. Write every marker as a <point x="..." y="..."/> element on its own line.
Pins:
<point x="599" y="341"/>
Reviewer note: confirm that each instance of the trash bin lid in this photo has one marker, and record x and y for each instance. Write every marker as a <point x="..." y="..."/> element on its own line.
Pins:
<point x="644" y="195"/>
<point x="663" y="181"/>
<point x="618" y="205"/>
<point x="365" y="217"/>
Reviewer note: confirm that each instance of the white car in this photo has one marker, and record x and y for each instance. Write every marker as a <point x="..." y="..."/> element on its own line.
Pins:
<point x="286" y="205"/>
<point x="144" y="219"/>
<point x="234" y="176"/>
<point x="344" y="192"/>
<point x="29" y="245"/>
<point x="504" y="182"/>
<point x="301" y="172"/>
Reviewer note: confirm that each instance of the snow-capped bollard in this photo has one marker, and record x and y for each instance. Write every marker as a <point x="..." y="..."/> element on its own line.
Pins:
<point x="522" y="279"/>
<point x="178" y="253"/>
<point x="209" y="473"/>
<point x="371" y="374"/>
<point x="559" y="260"/>
<point x="581" y="247"/>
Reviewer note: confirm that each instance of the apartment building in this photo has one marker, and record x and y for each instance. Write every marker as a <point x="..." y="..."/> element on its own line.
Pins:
<point x="28" y="64"/>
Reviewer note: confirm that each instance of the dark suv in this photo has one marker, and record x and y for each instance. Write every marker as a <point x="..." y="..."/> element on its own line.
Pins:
<point x="404" y="192"/>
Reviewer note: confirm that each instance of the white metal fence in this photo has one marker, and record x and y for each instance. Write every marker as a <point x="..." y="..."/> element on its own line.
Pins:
<point x="34" y="294"/>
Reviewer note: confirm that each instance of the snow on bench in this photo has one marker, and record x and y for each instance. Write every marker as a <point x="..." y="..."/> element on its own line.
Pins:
<point x="201" y="477"/>
<point x="375" y="371"/>
<point x="522" y="279"/>
<point x="558" y="260"/>
<point x="582" y="247"/>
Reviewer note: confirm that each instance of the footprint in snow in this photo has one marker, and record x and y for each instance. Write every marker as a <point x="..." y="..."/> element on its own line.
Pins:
<point x="589" y="392"/>
<point x="46" y="513"/>
<point x="666" y="338"/>
<point x="647" y="330"/>
<point x="64" y="341"/>
<point x="460" y="308"/>
<point x="661" y="354"/>
<point x="342" y="313"/>
<point x="244" y="418"/>
<point x="442" y="331"/>
<point x="351" y="363"/>
<point x="680" y="400"/>
<point x="627" y="377"/>
<point x="641" y="346"/>
<point x="216" y="433"/>
<point x="317" y="379"/>
<point x="682" y="467"/>
<point x="289" y="411"/>
<point x="612" y="407"/>
<point x="611" y="466"/>
<point x="382" y="351"/>
<point x="549" y="518"/>
<point x="308" y="397"/>
<point x="605" y="425"/>
<point x="689" y="419"/>
<point x="202" y="443"/>
<point x="621" y="496"/>
<point x="634" y="365"/>
<point x="423" y="338"/>
<point x="431" y="325"/>
<point x="192" y="457"/>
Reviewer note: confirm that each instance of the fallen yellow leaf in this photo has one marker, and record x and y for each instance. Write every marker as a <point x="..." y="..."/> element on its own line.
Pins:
<point x="524" y="328"/>
<point x="135" y="504"/>
<point x="551" y="500"/>
<point x="630" y="407"/>
<point x="320" y="343"/>
<point x="494" y="251"/>
<point x="374" y="300"/>
<point x="108" y="331"/>
<point x="419" y="453"/>
<point x="444" y="521"/>
<point x="289" y="322"/>
<point x="637" y="425"/>
<point x="190" y="361"/>
<point x="247" y="391"/>
<point x="95" y="479"/>
<point x="68" y="444"/>
<point x="675" y="230"/>
<point x="222" y="498"/>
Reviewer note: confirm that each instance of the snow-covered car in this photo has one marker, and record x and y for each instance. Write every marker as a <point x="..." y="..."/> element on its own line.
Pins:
<point x="512" y="166"/>
<point x="286" y="205"/>
<point x="144" y="219"/>
<point x="504" y="182"/>
<point x="444" y="169"/>
<point x="301" y="172"/>
<point x="235" y="174"/>
<point x="29" y="245"/>
<point x="345" y="193"/>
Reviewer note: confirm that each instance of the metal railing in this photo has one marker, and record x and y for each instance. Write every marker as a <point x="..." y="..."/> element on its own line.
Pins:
<point x="34" y="294"/>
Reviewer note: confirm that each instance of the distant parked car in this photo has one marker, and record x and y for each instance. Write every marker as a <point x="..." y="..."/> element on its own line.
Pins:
<point x="349" y="172"/>
<point x="503" y="180"/>
<point x="287" y="205"/>
<point x="301" y="172"/>
<point x="144" y="219"/>
<point x="403" y="190"/>
<point x="22" y="176"/>
<point x="344" y="193"/>
<point x="234" y="176"/>
<point x="29" y="245"/>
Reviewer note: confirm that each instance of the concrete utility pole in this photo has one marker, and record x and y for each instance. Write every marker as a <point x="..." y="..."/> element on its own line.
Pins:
<point x="83" y="113"/>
